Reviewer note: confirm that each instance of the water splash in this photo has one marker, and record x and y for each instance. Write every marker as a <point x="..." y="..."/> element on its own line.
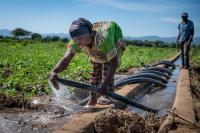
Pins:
<point x="62" y="96"/>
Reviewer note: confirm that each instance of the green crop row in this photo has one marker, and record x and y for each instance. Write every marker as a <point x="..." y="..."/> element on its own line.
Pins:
<point x="196" y="55"/>
<point x="26" y="67"/>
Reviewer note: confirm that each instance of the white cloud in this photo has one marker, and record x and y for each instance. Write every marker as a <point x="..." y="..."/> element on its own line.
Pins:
<point x="129" y="6"/>
<point x="171" y="20"/>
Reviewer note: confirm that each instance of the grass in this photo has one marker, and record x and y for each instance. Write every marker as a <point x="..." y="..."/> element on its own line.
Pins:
<point x="196" y="55"/>
<point x="26" y="66"/>
<point x="135" y="56"/>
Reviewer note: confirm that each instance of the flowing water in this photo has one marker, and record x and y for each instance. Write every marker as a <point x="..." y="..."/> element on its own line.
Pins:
<point x="63" y="97"/>
<point x="48" y="113"/>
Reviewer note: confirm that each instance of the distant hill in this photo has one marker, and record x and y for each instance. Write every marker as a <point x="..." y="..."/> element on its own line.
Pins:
<point x="61" y="35"/>
<point x="6" y="32"/>
<point x="157" y="38"/>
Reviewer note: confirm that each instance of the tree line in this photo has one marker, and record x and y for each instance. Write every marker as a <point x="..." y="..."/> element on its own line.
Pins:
<point x="22" y="34"/>
<point x="147" y="43"/>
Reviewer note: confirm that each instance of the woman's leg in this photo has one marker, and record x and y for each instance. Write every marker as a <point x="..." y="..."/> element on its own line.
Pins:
<point x="105" y="99"/>
<point x="96" y="78"/>
<point x="106" y="67"/>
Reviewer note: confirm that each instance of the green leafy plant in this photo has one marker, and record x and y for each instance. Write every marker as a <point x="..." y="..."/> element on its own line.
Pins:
<point x="27" y="63"/>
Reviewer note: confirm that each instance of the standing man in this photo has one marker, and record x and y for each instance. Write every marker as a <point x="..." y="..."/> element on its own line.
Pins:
<point x="185" y="36"/>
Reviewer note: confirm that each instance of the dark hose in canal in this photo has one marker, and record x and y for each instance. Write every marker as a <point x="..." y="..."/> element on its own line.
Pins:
<point x="167" y="63"/>
<point x="147" y="75"/>
<point x="155" y="72"/>
<point x="138" y="80"/>
<point x="131" y="80"/>
<point x="111" y="94"/>
<point x="165" y="70"/>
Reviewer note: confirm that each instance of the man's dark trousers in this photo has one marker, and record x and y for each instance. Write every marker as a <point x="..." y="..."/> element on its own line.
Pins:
<point x="185" y="49"/>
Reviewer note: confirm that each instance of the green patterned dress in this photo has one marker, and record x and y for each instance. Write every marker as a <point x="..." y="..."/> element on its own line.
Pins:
<point x="107" y="42"/>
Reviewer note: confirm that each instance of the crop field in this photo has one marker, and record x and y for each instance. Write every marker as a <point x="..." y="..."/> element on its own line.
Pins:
<point x="196" y="55"/>
<point x="25" y="66"/>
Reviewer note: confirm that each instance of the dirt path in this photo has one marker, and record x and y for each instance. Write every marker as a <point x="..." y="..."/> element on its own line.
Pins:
<point x="120" y="121"/>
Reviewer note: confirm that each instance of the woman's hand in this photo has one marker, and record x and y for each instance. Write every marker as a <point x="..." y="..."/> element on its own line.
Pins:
<point x="53" y="78"/>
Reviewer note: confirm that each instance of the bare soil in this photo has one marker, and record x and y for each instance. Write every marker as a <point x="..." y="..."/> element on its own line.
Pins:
<point x="120" y="121"/>
<point x="12" y="101"/>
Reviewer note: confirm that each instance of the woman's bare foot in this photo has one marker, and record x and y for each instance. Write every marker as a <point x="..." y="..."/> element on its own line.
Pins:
<point x="104" y="100"/>
<point x="92" y="101"/>
<point x="90" y="105"/>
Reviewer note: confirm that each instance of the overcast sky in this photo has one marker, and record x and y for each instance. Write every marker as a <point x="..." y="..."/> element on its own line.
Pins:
<point x="135" y="17"/>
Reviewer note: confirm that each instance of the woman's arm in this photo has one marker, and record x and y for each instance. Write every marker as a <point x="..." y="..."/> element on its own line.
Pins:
<point x="60" y="66"/>
<point x="64" y="62"/>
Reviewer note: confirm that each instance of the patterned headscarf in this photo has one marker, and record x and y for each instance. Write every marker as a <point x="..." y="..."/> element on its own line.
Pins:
<point x="80" y="27"/>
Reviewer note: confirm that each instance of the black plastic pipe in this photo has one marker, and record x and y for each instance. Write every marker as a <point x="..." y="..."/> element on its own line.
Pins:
<point x="111" y="94"/>
<point x="147" y="75"/>
<point x="155" y="72"/>
<point x="167" y="63"/>
<point x="84" y="101"/>
<point x="137" y="80"/>
<point x="165" y="70"/>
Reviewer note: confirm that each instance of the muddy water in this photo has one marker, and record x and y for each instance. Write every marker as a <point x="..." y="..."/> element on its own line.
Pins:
<point x="30" y="121"/>
<point x="161" y="99"/>
<point x="46" y="113"/>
